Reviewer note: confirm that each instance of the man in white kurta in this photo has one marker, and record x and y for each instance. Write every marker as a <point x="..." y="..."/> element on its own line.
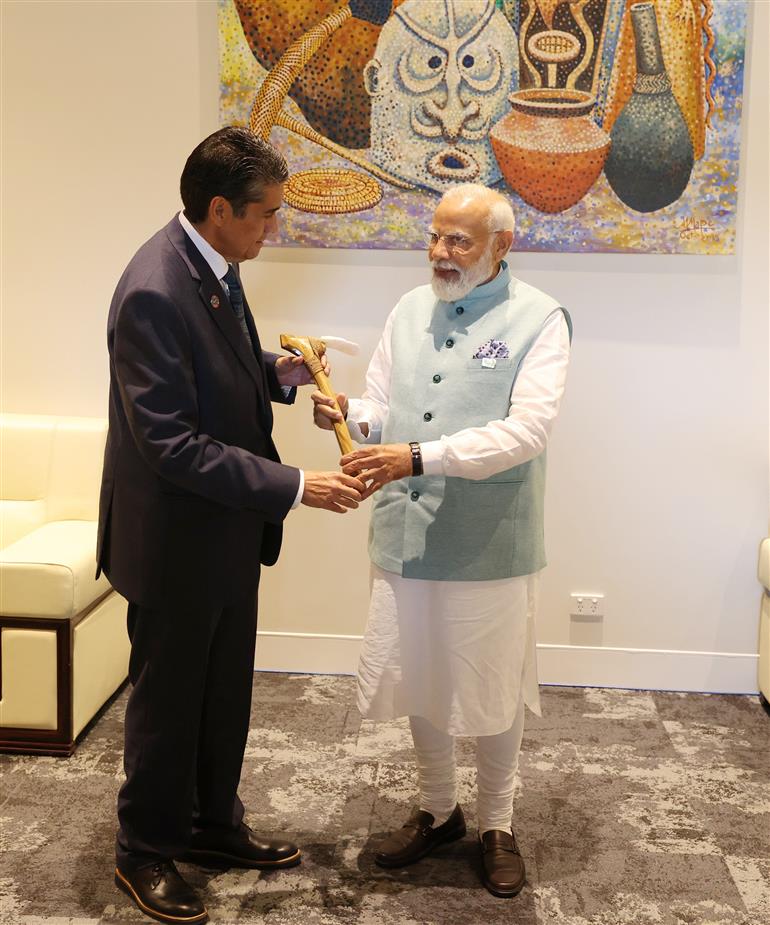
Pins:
<point x="458" y="656"/>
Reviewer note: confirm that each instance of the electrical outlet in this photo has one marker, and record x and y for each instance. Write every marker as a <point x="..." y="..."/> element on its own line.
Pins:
<point x="587" y="605"/>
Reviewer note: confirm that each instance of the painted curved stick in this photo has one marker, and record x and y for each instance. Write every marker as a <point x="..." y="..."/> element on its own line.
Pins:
<point x="270" y="98"/>
<point x="284" y="120"/>
<point x="312" y="349"/>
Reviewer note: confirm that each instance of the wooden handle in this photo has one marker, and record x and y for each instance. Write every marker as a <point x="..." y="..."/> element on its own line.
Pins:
<point x="312" y="350"/>
<point x="340" y="427"/>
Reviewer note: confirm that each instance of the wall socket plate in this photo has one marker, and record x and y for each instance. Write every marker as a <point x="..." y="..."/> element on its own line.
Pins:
<point x="587" y="605"/>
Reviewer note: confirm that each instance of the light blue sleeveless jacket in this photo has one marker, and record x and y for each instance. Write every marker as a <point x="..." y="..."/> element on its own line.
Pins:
<point x="454" y="529"/>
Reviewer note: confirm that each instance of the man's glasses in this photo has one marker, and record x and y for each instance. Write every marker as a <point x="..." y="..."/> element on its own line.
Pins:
<point x="454" y="243"/>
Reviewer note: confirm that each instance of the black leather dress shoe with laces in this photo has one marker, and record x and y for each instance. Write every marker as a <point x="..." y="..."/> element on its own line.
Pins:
<point x="418" y="837"/>
<point x="503" y="871"/>
<point x="160" y="892"/>
<point x="241" y="848"/>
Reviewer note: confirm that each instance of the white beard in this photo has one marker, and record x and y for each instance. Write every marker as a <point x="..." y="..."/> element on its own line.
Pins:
<point x="455" y="289"/>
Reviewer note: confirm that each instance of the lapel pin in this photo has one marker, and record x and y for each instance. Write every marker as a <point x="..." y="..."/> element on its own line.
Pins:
<point x="214" y="300"/>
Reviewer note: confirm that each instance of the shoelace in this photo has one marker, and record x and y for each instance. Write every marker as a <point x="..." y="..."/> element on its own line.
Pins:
<point x="158" y="873"/>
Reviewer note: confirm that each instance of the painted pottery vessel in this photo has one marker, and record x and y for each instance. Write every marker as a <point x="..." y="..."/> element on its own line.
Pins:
<point x="548" y="148"/>
<point x="687" y="41"/>
<point x="652" y="152"/>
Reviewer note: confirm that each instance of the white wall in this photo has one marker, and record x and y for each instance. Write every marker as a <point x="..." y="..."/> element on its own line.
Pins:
<point x="658" y="485"/>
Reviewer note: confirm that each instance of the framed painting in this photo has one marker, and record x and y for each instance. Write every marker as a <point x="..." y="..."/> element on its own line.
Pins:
<point x="612" y="125"/>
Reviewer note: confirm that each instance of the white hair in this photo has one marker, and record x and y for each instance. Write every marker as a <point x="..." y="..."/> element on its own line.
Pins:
<point x="499" y="211"/>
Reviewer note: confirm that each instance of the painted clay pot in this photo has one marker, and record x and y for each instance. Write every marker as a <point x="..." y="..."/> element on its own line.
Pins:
<point x="548" y="148"/>
<point x="689" y="65"/>
<point x="652" y="152"/>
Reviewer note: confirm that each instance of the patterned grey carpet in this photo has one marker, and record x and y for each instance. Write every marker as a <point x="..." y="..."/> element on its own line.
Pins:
<point x="633" y="809"/>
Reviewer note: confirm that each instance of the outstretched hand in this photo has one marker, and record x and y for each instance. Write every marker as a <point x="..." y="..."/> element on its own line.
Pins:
<point x="291" y="370"/>
<point x="379" y="464"/>
<point x="332" y="491"/>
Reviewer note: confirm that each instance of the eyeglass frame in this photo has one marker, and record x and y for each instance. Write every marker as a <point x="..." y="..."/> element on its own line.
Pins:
<point x="458" y="247"/>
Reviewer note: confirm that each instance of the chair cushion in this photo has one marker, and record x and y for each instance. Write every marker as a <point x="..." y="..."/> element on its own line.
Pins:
<point x="25" y="455"/>
<point x="51" y="461"/>
<point x="76" y="469"/>
<point x="18" y="518"/>
<point x="764" y="563"/>
<point x="50" y="571"/>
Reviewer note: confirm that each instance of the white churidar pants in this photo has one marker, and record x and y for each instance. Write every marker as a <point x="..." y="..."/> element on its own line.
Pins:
<point x="457" y="658"/>
<point x="497" y="758"/>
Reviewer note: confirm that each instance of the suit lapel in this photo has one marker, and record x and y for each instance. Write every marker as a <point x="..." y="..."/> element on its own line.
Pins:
<point x="258" y="353"/>
<point x="217" y="305"/>
<point x="223" y="316"/>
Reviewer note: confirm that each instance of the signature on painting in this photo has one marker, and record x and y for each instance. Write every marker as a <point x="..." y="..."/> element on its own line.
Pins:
<point x="696" y="229"/>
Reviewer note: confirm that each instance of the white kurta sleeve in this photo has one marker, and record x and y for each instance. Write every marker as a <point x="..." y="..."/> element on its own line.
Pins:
<point x="480" y="452"/>
<point x="372" y="408"/>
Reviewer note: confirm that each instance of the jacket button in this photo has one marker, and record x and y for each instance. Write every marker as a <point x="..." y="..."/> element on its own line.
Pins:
<point x="427" y="416"/>
<point x="449" y="342"/>
<point x="415" y="495"/>
<point x="437" y="378"/>
<point x="459" y="309"/>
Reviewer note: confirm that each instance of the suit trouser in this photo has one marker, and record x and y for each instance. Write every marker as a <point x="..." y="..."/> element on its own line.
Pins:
<point x="187" y="718"/>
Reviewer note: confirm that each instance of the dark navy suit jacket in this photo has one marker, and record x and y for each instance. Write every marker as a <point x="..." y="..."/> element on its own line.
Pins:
<point x="193" y="491"/>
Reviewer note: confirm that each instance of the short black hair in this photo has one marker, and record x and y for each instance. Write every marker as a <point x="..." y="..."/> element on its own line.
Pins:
<point x="233" y="163"/>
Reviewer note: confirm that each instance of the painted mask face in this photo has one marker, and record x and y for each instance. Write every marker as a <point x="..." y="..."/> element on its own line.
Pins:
<point x="439" y="80"/>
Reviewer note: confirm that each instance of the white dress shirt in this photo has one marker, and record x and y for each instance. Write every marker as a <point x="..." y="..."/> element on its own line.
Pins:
<point x="220" y="267"/>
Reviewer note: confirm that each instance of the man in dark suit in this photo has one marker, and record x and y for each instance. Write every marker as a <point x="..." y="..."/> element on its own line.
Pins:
<point x="193" y="499"/>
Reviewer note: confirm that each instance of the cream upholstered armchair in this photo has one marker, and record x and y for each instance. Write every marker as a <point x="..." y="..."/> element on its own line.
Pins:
<point x="764" y="624"/>
<point x="63" y="641"/>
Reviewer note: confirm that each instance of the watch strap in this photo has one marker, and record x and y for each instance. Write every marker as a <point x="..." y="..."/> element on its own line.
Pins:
<point x="416" y="458"/>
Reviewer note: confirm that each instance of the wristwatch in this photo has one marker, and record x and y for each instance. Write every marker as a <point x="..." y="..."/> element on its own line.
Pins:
<point x="416" y="458"/>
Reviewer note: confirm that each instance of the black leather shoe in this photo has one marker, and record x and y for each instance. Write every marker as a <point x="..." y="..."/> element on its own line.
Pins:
<point x="418" y="838"/>
<point x="502" y="865"/>
<point x="241" y="848"/>
<point x="160" y="892"/>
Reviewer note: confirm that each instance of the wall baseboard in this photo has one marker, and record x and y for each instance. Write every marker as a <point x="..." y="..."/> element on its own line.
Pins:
<point x="572" y="666"/>
<point x="307" y="653"/>
<point x="648" y="669"/>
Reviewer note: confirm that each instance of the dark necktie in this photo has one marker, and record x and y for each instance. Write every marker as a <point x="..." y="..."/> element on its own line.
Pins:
<point x="235" y="294"/>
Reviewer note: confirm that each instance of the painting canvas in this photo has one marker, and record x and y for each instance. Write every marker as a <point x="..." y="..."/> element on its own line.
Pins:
<point x="612" y="125"/>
